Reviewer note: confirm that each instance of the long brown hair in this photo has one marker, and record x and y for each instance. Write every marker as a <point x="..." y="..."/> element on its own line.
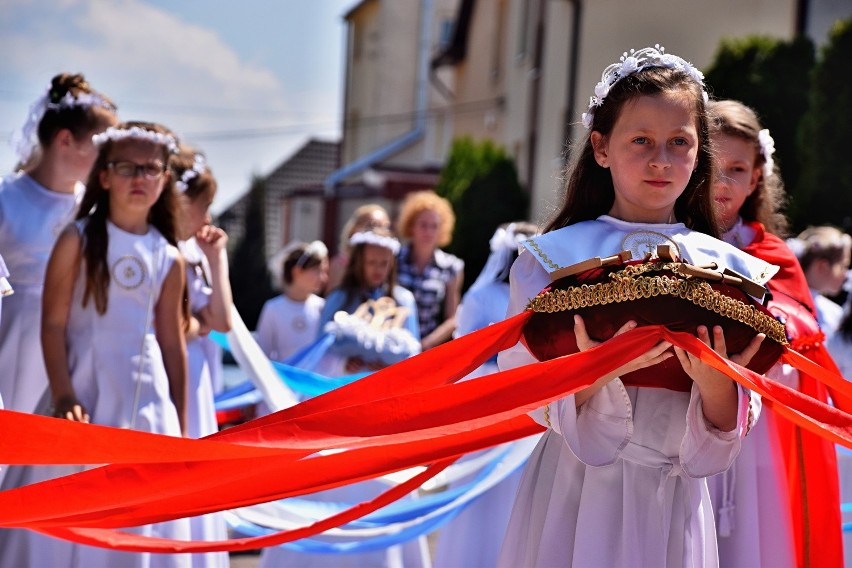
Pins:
<point x="764" y="204"/>
<point x="353" y="278"/>
<point x="95" y="209"/>
<point x="199" y="184"/>
<point x="589" y="190"/>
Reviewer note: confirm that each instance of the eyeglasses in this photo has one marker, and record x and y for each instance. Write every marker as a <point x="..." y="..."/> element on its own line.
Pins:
<point x="131" y="169"/>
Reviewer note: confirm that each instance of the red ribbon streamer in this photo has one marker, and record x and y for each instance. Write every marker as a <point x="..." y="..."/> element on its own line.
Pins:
<point x="403" y="416"/>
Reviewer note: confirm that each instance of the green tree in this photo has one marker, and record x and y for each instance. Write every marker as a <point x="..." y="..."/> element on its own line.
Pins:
<point x="467" y="160"/>
<point x="250" y="279"/>
<point x="825" y="187"/>
<point x="481" y="183"/>
<point x="491" y="199"/>
<point x="773" y="77"/>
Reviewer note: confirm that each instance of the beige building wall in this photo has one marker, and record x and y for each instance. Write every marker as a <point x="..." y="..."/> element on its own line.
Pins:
<point x="381" y="80"/>
<point x="481" y="76"/>
<point x="380" y="76"/>
<point x="490" y="93"/>
<point x="691" y="29"/>
<point x="303" y="218"/>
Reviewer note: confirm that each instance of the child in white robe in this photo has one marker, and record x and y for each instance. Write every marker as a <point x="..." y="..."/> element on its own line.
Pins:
<point x="618" y="477"/>
<point x="210" y="303"/>
<point x="290" y="322"/>
<point x="474" y="537"/>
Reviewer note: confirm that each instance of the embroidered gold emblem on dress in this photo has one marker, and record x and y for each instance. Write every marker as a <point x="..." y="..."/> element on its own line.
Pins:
<point x="642" y="243"/>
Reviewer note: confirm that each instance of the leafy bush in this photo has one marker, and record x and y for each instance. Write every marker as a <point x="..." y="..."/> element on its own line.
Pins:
<point x="825" y="187"/>
<point x="250" y="279"/>
<point x="481" y="183"/>
<point x="773" y="77"/>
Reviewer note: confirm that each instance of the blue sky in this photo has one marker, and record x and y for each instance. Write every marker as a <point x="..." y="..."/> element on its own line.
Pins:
<point x="247" y="82"/>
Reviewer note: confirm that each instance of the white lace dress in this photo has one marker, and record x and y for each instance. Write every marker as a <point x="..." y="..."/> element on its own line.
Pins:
<point x="204" y="361"/>
<point x="31" y="218"/>
<point x="118" y="374"/>
<point x="474" y="537"/>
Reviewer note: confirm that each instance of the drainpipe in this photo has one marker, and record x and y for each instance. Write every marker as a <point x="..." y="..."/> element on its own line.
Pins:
<point x="802" y="14"/>
<point x="415" y="134"/>
<point x="573" y="72"/>
<point x="535" y="94"/>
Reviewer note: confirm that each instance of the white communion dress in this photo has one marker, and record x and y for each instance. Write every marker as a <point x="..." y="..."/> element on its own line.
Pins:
<point x="31" y="218"/>
<point x="287" y="326"/>
<point x="753" y="521"/>
<point x="5" y="290"/>
<point x="474" y="537"/>
<point x="118" y="375"/>
<point x="620" y="481"/>
<point x="204" y="361"/>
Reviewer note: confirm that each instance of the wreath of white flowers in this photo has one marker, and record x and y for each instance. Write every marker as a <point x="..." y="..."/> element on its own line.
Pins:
<point x="507" y="239"/>
<point x="25" y="139"/>
<point x="313" y="249"/>
<point x="369" y="238"/>
<point x="135" y="133"/>
<point x="633" y="62"/>
<point x="767" y="149"/>
<point x="199" y="166"/>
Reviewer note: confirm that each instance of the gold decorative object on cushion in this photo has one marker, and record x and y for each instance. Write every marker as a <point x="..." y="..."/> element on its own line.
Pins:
<point x="383" y="313"/>
<point x="660" y="291"/>
<point x="374" y="333"/>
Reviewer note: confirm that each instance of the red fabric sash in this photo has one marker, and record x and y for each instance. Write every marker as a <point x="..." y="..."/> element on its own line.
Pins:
<point x="404" y="416"/>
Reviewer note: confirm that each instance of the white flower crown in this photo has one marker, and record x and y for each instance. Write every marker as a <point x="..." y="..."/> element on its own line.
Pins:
<point x="136" y="133"/>
<point x="818" y="242"/>
<point x="507" y="239"/>
<point x="633" y="62"/>
<point x="25" y="139"/>
<point x="370" y="238"/>
<point x="199" y="166"/>
<point x="85" y="100"/>
<point x="767" y="149"/>
<point x="314" y="249"/>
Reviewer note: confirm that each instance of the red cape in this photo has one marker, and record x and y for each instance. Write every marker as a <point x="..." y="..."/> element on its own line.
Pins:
<point x="811" y="461"/>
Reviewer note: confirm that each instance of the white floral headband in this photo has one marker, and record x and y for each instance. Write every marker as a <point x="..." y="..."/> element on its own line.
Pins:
<point x="507" y="239"/>
<point x="199" y="166"/>
<point x="633" y="62"/>
<point x="767" y="149"/>
<point x="818" y="242"/>
<point x="314" y="249"/>
<point x="135" y="133"/>
<point x="370" y="238"/>
<point x="25" y="139"/>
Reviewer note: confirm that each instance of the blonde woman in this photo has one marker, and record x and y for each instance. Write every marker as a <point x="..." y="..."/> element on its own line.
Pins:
<point x="426" y="222"/>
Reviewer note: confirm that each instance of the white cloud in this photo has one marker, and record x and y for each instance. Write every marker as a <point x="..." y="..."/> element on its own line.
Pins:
<point x="159" y="67"/>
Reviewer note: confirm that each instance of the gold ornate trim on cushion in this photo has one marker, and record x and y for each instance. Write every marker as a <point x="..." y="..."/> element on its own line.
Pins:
<point x="662" y="291"/>
<point x="627" y="286"/>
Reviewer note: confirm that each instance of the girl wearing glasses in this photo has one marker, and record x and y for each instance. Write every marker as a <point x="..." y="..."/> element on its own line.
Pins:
<point x="55" y="150"/>
<point x="113" y="326"/>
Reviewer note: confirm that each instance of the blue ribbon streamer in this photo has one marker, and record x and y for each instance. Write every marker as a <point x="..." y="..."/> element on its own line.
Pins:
<point x="294" y="372"/>
<point x="399" y="511"/>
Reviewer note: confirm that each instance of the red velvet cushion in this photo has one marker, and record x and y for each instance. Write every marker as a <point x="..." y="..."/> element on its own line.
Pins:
<point x="551" y="335"/>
